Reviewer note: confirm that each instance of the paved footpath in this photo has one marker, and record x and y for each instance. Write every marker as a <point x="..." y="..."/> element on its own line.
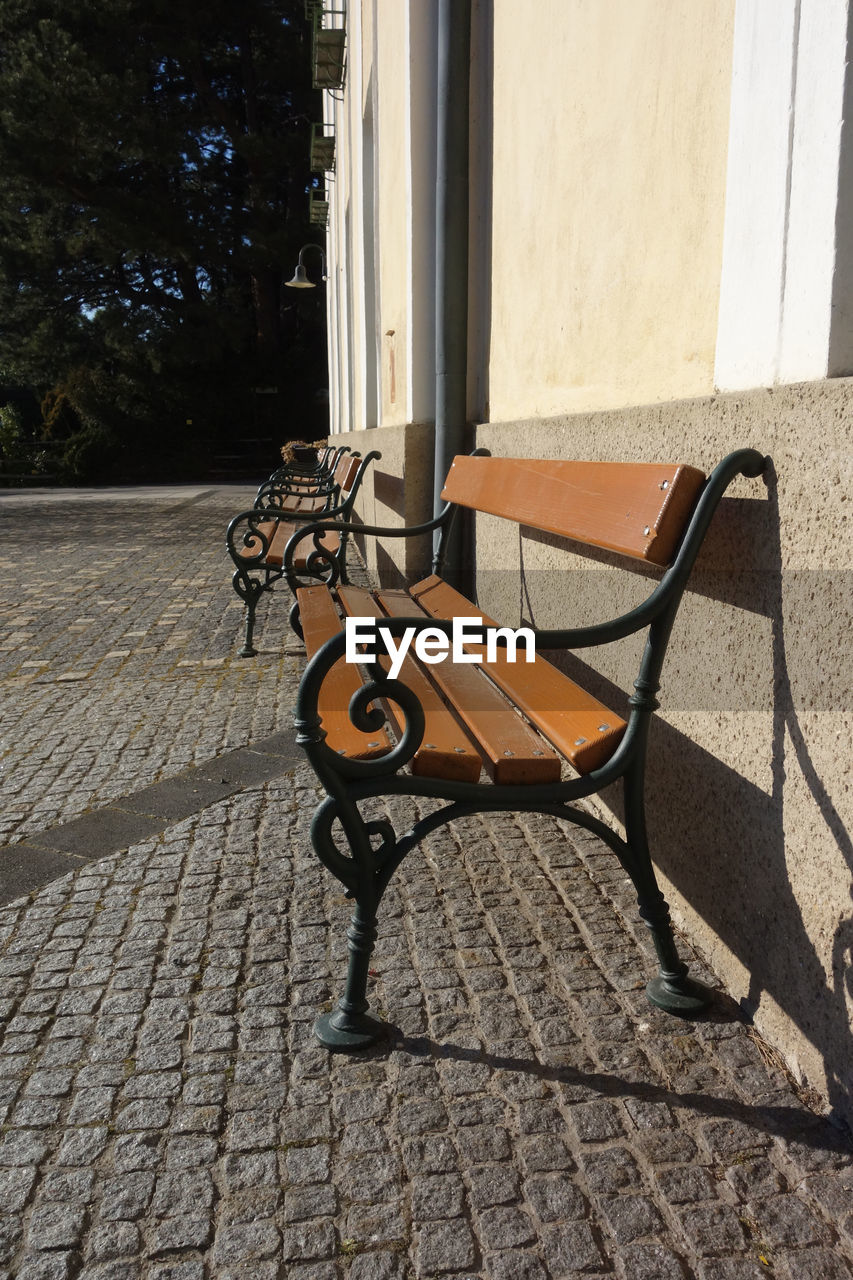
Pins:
<point x="167" y="940"/>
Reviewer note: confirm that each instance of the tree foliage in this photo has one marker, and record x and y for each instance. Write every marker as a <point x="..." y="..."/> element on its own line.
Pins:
<point x="154" y="159"/>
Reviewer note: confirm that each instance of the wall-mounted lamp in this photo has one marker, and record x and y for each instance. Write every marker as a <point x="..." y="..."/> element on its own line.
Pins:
<point x="300" y="276"/>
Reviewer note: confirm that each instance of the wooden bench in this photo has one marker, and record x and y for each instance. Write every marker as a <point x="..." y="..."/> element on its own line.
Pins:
<point x="542" y="741"/>
<point x="256" y="539"/>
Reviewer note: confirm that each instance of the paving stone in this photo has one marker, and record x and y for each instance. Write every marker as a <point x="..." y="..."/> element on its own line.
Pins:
<point x="181" y="1232"/>
<point x="650" y="1262"/>
<point x="126" y="1197"/>
<point x="437" y="1196"/>
<point x="506" y="1227"/>
<point x="376" y="1265"/>
<point x="492" y="1184"/>
<point x="630" y="1217"/>
<point x="306" y="1240"/>
<point x="685" y="1184"/>
<point x="113" y="1240"/>
<point x="15" y="1187"/>
<point x="182" y="1193"/>
<point x="785" y="1220"/>
<point x="21" y="1148"/>
<point x="134" y="1151"/>
<point x="68" y="1185"/>
<point x="56" y="1226"/>
<point x="246" y="1243"/>
<point x="545" y="1153"/>
<point x="755" y="1179"/>
<point x="82" y="1146"/>
<point x="571" y="1248"/>
<point x="47" y="1266"/>
<point x="310" y="1202"/>
<point x="555" y="1199"/>
<point x="186" y="1270"/>
<point x="379" y="1224"/>
<point x="713" y="1229"/>
<point x="732" y="1269"/>
<point x="308" y="1164"/>
<point x="815" y="1264"/>
<point x="515" y="1265"/>
<point x="430" y="1155"/>
<point x="446" y="1246"/>
<point x="611" y="1171"/>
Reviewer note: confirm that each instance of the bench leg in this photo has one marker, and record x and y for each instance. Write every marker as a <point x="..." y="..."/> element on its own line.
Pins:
<point x="672" y="990"/>
<point x="350" y="1027"/>
<point x="251" y="595"/>
<point x="296" y="621"/>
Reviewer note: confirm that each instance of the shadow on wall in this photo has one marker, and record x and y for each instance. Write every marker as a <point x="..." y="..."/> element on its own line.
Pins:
<point x="733" y="830"/>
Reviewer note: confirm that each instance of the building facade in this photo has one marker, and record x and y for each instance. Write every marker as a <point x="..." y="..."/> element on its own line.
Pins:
<point x="659" y="267"/>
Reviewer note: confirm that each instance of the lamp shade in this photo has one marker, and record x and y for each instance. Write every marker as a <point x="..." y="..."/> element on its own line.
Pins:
<point x="300" y="279"/>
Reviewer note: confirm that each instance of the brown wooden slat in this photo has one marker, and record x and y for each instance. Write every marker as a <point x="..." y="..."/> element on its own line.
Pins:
<point x="320" y="621"/>
<point x="582" y="728"/>
<point x="639" y="509"/>
<point x="309" y="503"/>
<point x="512" y="752"/>
<point x="330" y="540"/>
<point x="345" y="472"/>
<point x="446" y="751"/>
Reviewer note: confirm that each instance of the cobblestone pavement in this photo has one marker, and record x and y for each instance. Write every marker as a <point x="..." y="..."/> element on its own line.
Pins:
<point x="165" y="1110"/>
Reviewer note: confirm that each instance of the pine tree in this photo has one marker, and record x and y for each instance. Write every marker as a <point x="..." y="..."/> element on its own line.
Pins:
<point x="154" y="156"/>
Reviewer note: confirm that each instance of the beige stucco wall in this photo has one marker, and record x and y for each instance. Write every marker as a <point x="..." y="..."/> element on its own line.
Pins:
<point x="750" y="803"/>
<point x="609" y="145"/>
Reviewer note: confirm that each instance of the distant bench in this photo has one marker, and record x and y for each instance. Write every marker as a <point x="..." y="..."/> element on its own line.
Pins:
<point x="256" y="539"/>
<point x="526" y="726"/>
<point x="307" y="466"/>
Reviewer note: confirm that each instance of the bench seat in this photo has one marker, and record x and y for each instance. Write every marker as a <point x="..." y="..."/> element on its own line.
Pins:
<point x="466" y="706"/>
<point x="276" y="534"/>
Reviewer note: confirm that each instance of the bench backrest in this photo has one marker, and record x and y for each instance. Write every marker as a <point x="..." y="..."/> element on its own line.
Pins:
<point x="346" y="471"/>
<point x="638" y="509"/>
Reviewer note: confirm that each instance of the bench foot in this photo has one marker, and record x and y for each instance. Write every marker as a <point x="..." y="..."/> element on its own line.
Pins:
<point x="344" y="1032"/>
<point x="682" y="996"/>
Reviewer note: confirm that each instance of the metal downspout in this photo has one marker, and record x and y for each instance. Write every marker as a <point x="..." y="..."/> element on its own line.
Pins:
<point x="451" y="252"/>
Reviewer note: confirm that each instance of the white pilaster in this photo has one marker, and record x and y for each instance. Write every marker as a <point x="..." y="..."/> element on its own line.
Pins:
<point x="780" y="248"/>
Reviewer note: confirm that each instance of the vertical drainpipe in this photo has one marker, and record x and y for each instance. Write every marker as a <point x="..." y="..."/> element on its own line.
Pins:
<point x="451" y="251"/>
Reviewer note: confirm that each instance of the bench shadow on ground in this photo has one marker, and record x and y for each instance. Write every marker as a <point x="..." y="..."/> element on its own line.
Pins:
<point x="791" y="1123"/>
<point x="726" y="823"/>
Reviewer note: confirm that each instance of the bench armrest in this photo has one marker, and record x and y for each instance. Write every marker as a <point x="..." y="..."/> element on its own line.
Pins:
<point x="325" y="525"/>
